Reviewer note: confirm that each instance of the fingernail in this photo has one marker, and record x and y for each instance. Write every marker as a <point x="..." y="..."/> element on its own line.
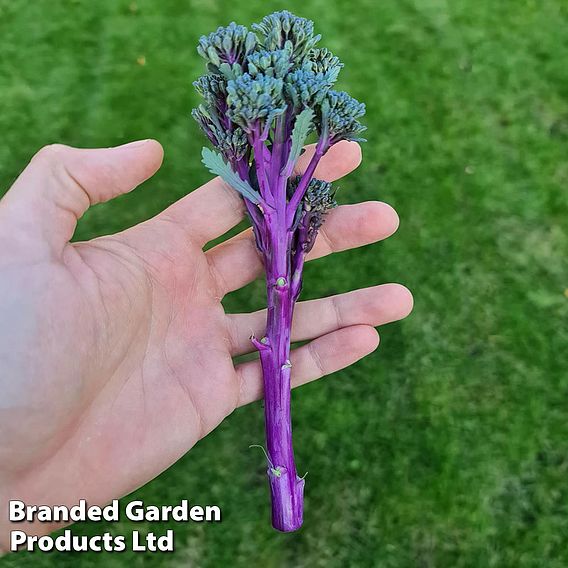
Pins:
<point x="134" y="144"/>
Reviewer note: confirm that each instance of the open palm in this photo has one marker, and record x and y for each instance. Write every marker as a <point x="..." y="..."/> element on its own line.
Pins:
<point x="116" y="355"/>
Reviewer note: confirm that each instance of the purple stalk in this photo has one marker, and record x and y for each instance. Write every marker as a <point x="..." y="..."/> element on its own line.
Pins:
<point x="283" y="266"/>
<point x="287" y="489"/>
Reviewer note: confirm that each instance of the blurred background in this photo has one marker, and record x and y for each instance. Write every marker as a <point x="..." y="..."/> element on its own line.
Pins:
<point x="448" y="447"/>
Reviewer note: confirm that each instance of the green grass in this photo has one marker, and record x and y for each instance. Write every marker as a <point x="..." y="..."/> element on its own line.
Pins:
<point x="449" y="446"/>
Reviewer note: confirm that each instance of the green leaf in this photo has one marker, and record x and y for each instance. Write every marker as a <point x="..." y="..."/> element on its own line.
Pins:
<point x="215" y="163"/>
<point x="302" y="127"/>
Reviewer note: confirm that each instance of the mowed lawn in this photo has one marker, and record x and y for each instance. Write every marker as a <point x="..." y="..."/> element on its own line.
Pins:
<point x="448" y="447"/>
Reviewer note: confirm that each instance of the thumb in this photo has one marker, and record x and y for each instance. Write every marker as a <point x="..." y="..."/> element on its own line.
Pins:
<point x="61" y="183"/>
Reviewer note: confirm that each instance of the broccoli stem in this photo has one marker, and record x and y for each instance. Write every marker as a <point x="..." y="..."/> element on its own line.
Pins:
<point x="286" y="488"/>
<point x="283" y="255"/>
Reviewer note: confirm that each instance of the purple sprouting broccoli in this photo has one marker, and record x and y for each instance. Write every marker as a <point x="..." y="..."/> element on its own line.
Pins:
<point x="265" y="92"/>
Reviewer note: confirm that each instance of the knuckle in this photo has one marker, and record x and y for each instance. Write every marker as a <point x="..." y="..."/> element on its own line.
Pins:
<point x="51" y="153"/>
<point x="327" y="241"/>
<point x="337" y="311"/>
<point x="64" y="188"/>
<point x="317" y="360"/>
<point x="221" y="286"/>
<point x="232" y="335"/>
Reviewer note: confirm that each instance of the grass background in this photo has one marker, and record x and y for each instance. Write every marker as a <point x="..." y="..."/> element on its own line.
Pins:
<point x="449" y="446"/>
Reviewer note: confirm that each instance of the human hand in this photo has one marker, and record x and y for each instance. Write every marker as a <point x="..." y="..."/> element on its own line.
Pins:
<point x="122" y="342"/>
